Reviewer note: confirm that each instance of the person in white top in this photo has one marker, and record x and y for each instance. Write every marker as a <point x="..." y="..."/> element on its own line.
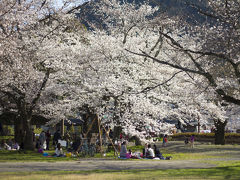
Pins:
<point x="59" y="151"/>
<point x="150" y="152"/>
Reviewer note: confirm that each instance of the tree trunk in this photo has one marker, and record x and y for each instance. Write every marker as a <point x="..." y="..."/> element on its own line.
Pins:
<point x="18" y="130"/>
<point x="220" y="132"/>
<point x="28" y="139"/>
<point x="100" y="135"/>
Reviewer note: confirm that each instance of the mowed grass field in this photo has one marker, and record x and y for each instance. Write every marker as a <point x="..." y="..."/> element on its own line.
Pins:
<point x="225" y="158"/>
<point x="230" y="172"/>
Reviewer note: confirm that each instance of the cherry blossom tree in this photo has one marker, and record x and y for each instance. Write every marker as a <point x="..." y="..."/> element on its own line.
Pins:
<point x="146" y="88"/>
<point x="213" y="54"/>
<point x="26" y="29"/>
<point x="52" y="66"/>
<point x="139" y="89"/>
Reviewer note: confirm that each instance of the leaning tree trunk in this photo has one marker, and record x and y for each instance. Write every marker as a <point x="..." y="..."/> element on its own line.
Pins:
<point x="220" y="131"/>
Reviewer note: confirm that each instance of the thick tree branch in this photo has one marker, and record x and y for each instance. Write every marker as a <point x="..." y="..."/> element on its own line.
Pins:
<point x="154" y="87"/>
<point x="218" y="17"/>
<point x="222" y="56"/>
<point x="77" y="7"/>
<point x="34" y="101"/>
<point x="188" y="51"/>
<point x="8" y="10"/>
<point x="144" y="54"/>
<point x="174" y="42"/>
<point x="226" y="97"/>
<point x="207" y="75"/>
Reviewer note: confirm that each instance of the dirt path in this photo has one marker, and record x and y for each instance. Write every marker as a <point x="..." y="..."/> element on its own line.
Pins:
<point x="101" y="164"/>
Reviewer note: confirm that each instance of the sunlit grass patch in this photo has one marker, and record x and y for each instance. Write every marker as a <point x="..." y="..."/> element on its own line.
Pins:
<point x="232" y="163"/>
<point x="231" y="172"/>
<point x="29" y="156"/>
<point x="177" y="150"/>
<point x="189" y="156"/>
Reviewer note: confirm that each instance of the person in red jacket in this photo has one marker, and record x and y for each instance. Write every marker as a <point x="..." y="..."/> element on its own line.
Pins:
<point x="165" y="140"/>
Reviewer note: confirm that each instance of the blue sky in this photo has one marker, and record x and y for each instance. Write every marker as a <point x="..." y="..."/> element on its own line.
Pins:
<point x="59" y="3"/>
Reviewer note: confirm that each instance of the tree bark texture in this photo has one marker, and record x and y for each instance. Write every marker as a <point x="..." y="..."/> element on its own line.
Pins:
<point x="28" y="139"/>
<point x="220" y="132"/>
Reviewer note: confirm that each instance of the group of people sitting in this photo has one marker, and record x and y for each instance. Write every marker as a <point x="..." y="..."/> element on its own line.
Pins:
<point x="58" y="152"/>
<point x="9" y="145"/>
<point x="148" y="152"/>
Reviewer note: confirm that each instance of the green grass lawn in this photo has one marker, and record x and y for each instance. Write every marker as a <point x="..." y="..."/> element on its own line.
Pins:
<point x="229" y="172"/>
<point x="225" y="169"/>
<point x="29" y="156"/>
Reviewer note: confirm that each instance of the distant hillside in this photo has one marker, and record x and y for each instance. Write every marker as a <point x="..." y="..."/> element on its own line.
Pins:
<point x="171" y="7"/>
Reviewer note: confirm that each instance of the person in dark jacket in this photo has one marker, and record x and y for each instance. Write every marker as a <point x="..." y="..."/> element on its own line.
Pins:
<point x="157" y="152"/>
<point x="56" y="137"/>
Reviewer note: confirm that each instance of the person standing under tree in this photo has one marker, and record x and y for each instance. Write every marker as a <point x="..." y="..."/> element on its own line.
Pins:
<point x="165" y="140"/>
<point x="42" y="139"/>
<point x="56" y="137"/>
<point x="68" y="139"/>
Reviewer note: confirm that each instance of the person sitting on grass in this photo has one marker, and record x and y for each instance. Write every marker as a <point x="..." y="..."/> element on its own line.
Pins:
<point x="4" y="145"/>
<point x="123" y="151"/>
<point x="157" y="152"/>
<point x="15" y="145"/>
<point x="133" y="155"/>
<point x="145" y="150"/>
<point x="150" y="153"/>
<point x="59" y="151"/>
<point x="129" y="154"/>
<point x="10" y="142"/>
